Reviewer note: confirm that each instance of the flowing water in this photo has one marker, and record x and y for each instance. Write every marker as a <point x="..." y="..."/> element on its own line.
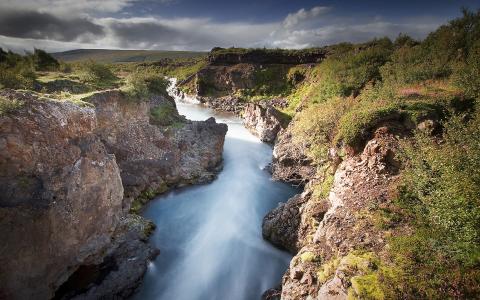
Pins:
<point x="210" y="235"/>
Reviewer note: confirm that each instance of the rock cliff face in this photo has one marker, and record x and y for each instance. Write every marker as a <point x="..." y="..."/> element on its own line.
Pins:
<point x="229" y="78"/>
<point x="60" y="195"/>
<point x="263" y="121"/>
<point x="153" y="158"/>
<point x="218" y="56"/>
<point x="290" y="162"/>
<point x="324" y="231"/>
<point x="226" y="103"/>
<point x="63" y="172"/>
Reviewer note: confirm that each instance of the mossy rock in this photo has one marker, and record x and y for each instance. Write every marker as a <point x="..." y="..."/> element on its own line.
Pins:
<point x="309" y="257"/>
<point x="146" y="196"/>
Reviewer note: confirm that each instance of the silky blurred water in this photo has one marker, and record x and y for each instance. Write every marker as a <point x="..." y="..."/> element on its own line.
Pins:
<point x="210" y="235"/>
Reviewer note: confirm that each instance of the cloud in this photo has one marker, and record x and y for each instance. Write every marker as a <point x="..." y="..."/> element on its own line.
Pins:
<point x="316" y="26"/>
<point x="305" y="28"/>
<point x="302" y="15"/>
<point x="183" y="33"/>
<point x="38" y="25"/>
<point x="67" y="7"/>
<point x="350" y="31"/>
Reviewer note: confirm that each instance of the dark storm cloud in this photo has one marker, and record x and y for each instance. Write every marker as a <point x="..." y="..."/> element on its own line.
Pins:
<point x="150" y="34"/>
<point x="142" y="32"/>
<point x="38" y="25"/>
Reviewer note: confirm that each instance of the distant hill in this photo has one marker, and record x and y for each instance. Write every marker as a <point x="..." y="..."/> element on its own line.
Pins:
<point x="112" y="56"/>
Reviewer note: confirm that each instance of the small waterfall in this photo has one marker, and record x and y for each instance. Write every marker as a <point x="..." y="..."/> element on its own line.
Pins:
<point x="177" y="94"/>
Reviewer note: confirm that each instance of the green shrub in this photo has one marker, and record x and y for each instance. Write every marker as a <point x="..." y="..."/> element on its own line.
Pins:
<point x="44" y="61"/>
<point x="409" y="64"/>
<point x="270" y="81"/>
<point x="440" y="198"/>
<point x="347" y="74"/>
<point x="99" y="75"/>
<point x="146" y="81"/>
<point x="355" y="126"/>
<point x="467" y="75"/>
<point x="165" y="115"/>
<point x="437" y="55"/>
<point x="316" y="126"/>
<point x="16" y="71"/>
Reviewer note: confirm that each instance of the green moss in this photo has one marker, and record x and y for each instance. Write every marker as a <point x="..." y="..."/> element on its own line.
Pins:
<point x="327" y="270"/>
<point x="355" y="126"/>
<point x="322" y="190"/>
<point x="366" y="287"/>
<point x="308" y="257"/>
<point x="139" y="223"/>
<point x="177" y="125"/>
<point x="146" y="196"/>
<point x="163" y="114"/>
<point x="360" y="261"/>
<point x="24" y="182"/>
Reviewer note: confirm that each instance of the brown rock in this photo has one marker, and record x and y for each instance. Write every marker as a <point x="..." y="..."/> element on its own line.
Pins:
<point x="60" y="195"/>
<point x="263" y="121"/>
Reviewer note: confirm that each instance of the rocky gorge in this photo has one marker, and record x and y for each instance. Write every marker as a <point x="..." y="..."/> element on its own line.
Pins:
<point x="349" y="171"/>
<point x="347" y="133"/>
<point x="323" y="228"/>
<point x="69" y="176"/>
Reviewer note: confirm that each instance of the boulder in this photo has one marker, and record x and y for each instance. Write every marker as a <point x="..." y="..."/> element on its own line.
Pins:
<point x="263" y="121"/>
<point x="290" y="162"/>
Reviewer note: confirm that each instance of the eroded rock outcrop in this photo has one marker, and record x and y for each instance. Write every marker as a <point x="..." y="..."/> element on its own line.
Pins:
<point x="221" y="56"/>
<point x="153" y="158"/>
<point x="225" y="104"/>
<point x="228" y="79"/>
<point x="324" y="233"/>
<point x="263" y="121"/>
<point x="290" y="162"/>
<point x="122" y="268"/>
<point x="60" y="195"/>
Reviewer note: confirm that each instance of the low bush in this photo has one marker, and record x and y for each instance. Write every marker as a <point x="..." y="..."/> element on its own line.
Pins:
<point x="97" y="74"/>
<point x="440" y="198"/>
<point x="44" y="61"/>
<point x="16" y="71"/>
<point x="165" y="115"/>
<point x="467" y="75"/>
<point x="146" y="81"/>
<point x="316" y="126"/>
<point x="355" y="126"/>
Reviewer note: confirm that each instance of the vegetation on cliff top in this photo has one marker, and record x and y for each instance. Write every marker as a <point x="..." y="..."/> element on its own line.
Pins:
<point x="434" y="252"/>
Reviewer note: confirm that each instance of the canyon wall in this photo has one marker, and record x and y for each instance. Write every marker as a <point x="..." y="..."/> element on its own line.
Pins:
<point x="321" y="231"/>
<point x="64" y="168"/>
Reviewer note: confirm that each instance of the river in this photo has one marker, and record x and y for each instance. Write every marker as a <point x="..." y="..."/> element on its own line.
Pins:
<point x="210" y="235"/>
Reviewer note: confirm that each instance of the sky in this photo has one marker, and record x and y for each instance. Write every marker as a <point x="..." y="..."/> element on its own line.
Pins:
<point x="58" y="25"/>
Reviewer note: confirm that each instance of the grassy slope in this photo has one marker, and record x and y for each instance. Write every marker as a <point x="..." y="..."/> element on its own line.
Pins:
<point x="345" y="97"/>
<point x="113" y="56"/>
